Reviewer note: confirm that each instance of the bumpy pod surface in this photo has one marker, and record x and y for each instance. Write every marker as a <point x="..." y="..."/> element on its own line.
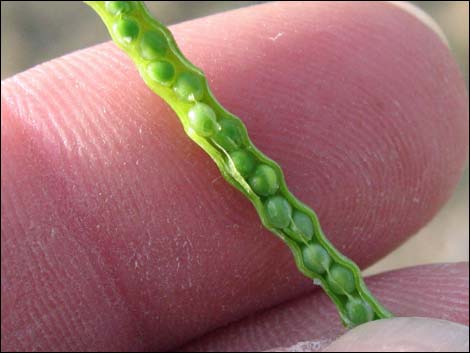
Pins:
<point x="224" y="137"/>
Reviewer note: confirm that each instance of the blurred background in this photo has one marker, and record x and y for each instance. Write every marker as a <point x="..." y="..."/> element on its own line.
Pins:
<point x="37" y="31"/>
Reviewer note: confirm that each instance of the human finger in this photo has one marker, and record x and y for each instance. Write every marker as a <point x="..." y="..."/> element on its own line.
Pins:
<point x="310" y="323"/>
<point x="114" y="219"/>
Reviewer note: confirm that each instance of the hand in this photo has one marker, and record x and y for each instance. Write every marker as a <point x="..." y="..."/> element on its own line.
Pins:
<point x="118" y="232"/>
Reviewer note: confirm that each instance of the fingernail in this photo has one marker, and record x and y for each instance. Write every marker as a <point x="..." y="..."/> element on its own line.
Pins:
<point x="404" y="334"/>
<point x="422" y="16"/>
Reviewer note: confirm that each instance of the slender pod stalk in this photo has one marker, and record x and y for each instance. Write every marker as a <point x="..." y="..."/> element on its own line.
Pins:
<point x="225" y="139"/>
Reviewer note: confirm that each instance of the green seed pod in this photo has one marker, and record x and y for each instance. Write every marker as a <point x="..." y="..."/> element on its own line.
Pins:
<point x="203" y="120"/>
<point x="359" y="311"/>
<point x="153" y="45"/>
<point x="243" y="161"/>
<point x="316" y="258"/>
<point x="127" y="30"/>
<point x="278" y="211"/>
<point x="264" y="180"/>
<point x="303" y="223"/>
<point x="229" y="136"/>
<point x="189" y="87"/>
<point x="340" y="279"/>
<point x="223" y="136"/>
<point x="116" y="8"/>
<point x="161" y="71"/>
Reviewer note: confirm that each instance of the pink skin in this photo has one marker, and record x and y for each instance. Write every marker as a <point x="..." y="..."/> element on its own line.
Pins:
<point x="118" y="232"/>
<point x="439" y="291"/>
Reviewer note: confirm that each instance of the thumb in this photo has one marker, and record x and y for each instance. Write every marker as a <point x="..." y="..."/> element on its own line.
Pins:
<point x="404" y="334"/>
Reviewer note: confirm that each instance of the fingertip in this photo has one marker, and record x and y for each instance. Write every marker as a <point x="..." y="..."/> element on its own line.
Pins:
<point x="404" y="334"/>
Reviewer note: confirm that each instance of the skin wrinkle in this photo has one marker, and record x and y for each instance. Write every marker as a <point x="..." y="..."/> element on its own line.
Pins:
<point x="32" y="271"/>
<point x="65" y="216"/>
<point x="137" y="201"/>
